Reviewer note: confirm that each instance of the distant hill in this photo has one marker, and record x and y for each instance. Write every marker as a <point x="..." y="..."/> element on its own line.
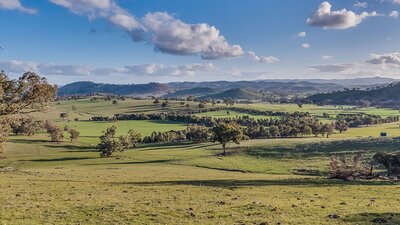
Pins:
<point x="296" y="87"/>
<point x="85" y="88"/>
<point x="237" y="93"/>
<point x="386" y="96"/>
<point x="195" y="92"/>
<point x="199" y="89"/>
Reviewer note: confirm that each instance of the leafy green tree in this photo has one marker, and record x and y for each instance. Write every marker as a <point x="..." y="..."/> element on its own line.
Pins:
<point x="108" y="145"/>
<point x="227" y="132"/>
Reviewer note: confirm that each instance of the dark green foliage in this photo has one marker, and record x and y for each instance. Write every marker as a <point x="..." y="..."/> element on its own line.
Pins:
<point x="108" y="145"/>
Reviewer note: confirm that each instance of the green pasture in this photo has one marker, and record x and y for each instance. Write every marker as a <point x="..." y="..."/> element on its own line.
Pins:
<point x="266" y="181"/>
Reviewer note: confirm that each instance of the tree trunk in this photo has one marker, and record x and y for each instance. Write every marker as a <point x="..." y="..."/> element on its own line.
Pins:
<point x="224" y="147"/>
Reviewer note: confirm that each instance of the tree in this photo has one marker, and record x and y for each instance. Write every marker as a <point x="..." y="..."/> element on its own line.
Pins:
<point x="115" y="102"/>
<point x="30" y="93"/>
<point x="227" y="132"/>
<point x="131" y="139"/>
<point x="73" y="134"/>
<point x="156" y="101"/>
<point x="197" y="133"/>
<point x="164" y="104"/>
<point x="341" y="126"/>
<point x="390" y="161"/>
<point x="202" y="105"/>
<point x="56" y="134"/>
<point x="327" y="129"/>
<point x="108" y="144"/>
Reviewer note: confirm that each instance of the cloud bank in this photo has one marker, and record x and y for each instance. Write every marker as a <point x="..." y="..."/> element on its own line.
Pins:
<point x="47" y="69"/>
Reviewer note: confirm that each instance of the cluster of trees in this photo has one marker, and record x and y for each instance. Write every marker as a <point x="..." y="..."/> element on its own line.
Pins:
<point x="165" y="137"/>
<point x="222" y="133"/>
<point x="110" y="144"/>
<point x="292" y="125"/>
<point x="29" y="93"/>
<point x="356" y="120"/>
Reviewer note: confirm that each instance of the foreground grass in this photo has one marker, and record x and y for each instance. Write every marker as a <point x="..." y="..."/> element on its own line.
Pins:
<point x="184" y="183"/>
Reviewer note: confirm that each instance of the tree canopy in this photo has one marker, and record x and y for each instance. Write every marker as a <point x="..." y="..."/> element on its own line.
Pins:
<point x="27" y="94"/>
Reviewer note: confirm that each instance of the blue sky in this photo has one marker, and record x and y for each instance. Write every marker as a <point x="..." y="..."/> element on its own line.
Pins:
<point x="139" y="41"/>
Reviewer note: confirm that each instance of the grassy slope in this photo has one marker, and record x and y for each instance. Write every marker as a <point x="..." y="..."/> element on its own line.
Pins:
<point x="185" y="183"/>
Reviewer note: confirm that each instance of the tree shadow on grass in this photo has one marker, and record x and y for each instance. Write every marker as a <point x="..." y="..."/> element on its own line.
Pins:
<point x="57" y="159"/>
<point x="73" y="148"/>
<point x="132" y="163"/>
<point x="310" y="150"/>
<point x="28" y="141"/>
<point x="230" y="183"/>
<point x="176" y="145"/>
<point x="374" y="218"/>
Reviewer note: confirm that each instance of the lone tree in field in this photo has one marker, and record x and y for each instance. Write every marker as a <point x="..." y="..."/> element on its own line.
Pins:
<point x="131" y="139"/>
<point x="227" y="132"/>
<point x="108" y="144"/>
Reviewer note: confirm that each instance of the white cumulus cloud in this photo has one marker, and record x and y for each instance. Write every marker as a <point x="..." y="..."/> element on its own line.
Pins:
<point x="173" y="36"/>
<point x="262" y="59"/>
<point x="306" y="45"/>
<point x="167" y="33"/>
<point x="300" y="34"/>
<point x="16" y="5"/>
<point x="342" y="19"/>
<point x="394" y="14"/>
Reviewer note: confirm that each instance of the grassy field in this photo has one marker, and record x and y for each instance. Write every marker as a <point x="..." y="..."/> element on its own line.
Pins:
<point x="272" y="181"/>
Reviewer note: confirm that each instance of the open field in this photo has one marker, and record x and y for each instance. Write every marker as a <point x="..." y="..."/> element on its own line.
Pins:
<point x="273" y="181"/>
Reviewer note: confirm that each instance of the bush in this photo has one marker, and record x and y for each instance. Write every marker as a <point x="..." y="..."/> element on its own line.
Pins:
<point x="390" y="161"/>
<point x="63" y="115"/>
<point x="197" y="133"/>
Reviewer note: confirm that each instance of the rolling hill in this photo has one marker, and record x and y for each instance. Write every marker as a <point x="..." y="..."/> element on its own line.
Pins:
<point x="195" y="92"/>
<point x="386" y="97"/>
<point x="237" y="93"/>
<point x="85" y="88"/>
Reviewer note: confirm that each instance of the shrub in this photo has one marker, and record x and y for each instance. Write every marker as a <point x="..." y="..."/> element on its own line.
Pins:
<point x="197" y="133"/>
<point x="349" y="168"/>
